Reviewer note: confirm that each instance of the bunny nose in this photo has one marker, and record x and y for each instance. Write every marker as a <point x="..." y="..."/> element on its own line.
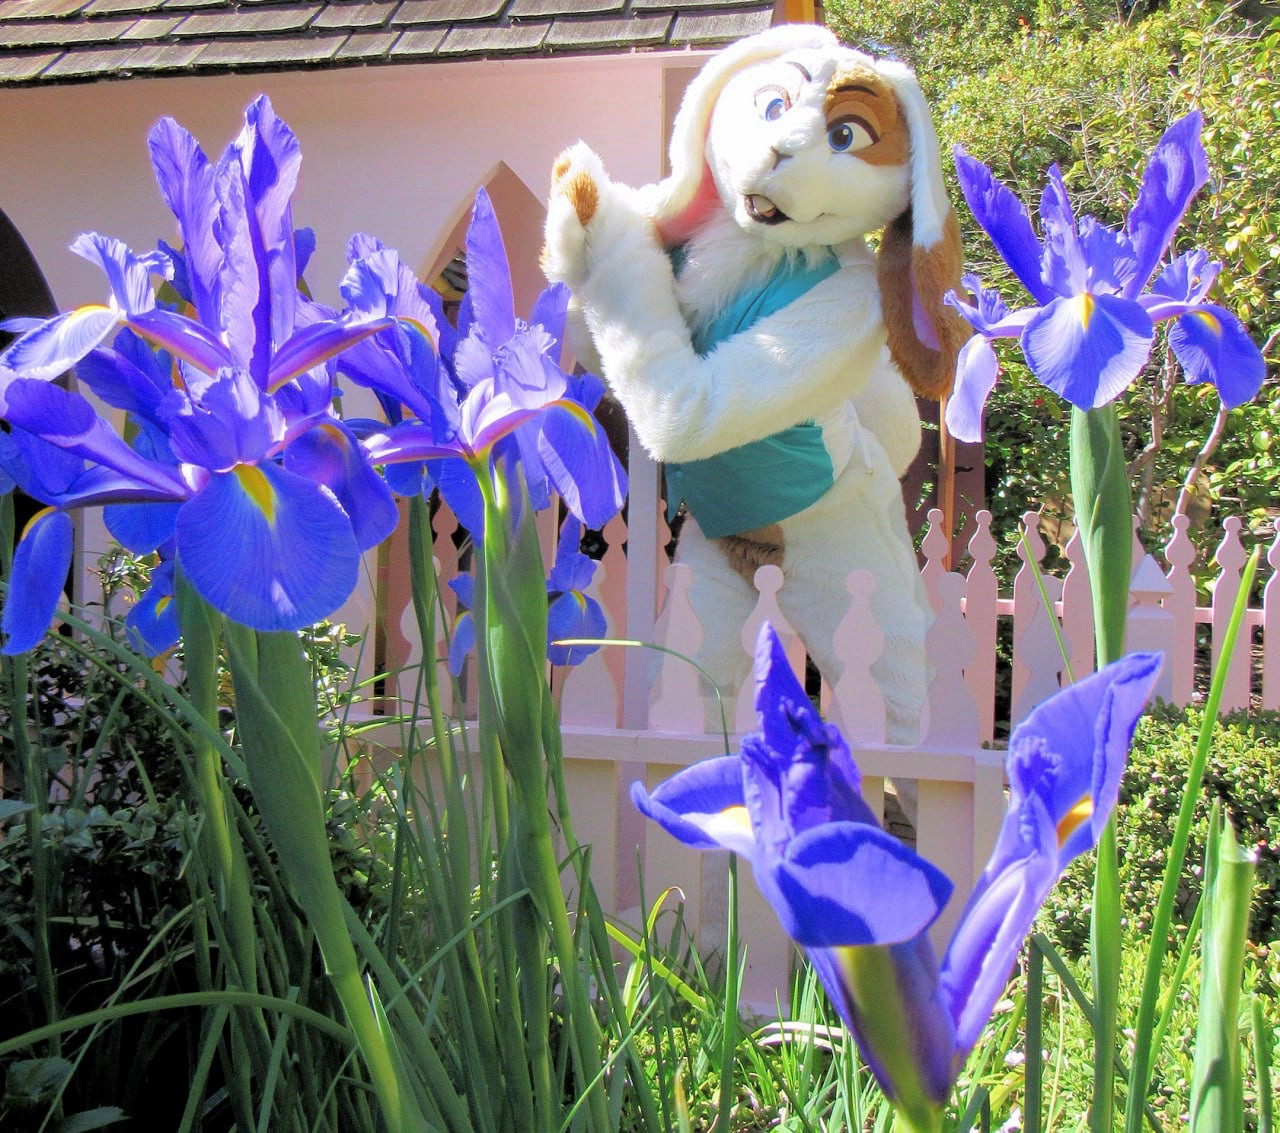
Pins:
<point x="778" y="156"/>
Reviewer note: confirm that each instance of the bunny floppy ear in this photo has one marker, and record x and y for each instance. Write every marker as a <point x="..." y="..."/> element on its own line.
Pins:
<point x="920" y="253"/>
<point x="689" y="193"/>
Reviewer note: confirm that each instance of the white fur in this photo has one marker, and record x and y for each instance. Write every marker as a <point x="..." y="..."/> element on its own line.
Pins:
<point x="823" y="357"/>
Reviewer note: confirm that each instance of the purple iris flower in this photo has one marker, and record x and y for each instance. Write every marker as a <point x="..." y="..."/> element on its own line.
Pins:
<point x="236" y="456"/>
<point x="571" y="612"/>
<point x="490" y="391"/>
<point x="152" y="621"/>
<point x="859" y="902"/>
<point x="1091" y="331"/>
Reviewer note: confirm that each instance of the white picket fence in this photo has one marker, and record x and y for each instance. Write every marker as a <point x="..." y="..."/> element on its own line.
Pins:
<point x="632" y="714"/>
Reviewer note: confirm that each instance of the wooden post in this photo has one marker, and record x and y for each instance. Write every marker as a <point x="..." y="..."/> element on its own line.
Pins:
<point x="800" y="12"/>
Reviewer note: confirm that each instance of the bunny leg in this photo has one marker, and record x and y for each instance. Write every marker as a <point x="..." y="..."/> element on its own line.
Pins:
<point x="722" y="601"/>
<point x="859" y="525"/>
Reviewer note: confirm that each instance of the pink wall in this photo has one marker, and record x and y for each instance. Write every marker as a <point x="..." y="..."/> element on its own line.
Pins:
<point x="391" y="150"/>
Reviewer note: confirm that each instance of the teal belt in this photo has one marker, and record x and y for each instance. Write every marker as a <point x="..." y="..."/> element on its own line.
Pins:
<point x="768" y="480"/>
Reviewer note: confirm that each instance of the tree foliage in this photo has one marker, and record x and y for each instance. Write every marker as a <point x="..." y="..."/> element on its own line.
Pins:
<point x="1022" y="84"/>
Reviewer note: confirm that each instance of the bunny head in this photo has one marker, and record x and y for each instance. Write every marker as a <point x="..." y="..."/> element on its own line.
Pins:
<point x="807" y="143"/>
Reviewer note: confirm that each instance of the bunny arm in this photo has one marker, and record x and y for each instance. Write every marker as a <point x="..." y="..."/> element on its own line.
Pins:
<point x="792" y="366"/>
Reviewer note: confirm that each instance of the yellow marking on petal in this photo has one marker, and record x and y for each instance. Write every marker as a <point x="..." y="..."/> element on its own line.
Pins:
<point x="419" y="327"/>
<point x="1211" y="321"/>
<point x="31" y="523"/>
<point x="1074" y="818"/>
<point x="1086" y="309"/>
<point x="333" y="434"/>
<point x="578" y="410"/>
<point x="163" y="604"/>
<point x="258" y="488"/>
<point x="737" y="816"/>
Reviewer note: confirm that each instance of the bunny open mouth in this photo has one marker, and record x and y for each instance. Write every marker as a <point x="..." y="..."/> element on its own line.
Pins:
<point x="764" y="211"/>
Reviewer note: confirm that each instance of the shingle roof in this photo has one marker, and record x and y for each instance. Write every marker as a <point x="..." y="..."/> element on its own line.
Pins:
<point x="54" y="41"/>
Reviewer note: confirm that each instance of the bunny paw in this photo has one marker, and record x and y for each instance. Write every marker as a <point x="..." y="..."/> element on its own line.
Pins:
<point x="577" y="182"/>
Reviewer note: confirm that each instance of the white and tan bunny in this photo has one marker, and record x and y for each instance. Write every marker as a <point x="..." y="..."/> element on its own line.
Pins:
<point x="759" y="348"/>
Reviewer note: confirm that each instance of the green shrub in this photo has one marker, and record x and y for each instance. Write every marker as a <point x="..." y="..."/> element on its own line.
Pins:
<point x="1243" y="772"/>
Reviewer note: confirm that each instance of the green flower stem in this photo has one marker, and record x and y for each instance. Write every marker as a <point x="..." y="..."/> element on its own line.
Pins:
<point x="512" y="637"/>
<point x="279" y="734"/>
<point x="1217" y="1091"/>
<point x="1100" y="490"/>
<point x="1104" y="514"/>
<point x="230" y="881"/>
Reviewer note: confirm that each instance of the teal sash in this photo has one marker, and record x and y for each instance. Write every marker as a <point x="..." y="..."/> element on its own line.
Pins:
<point x="768" y="480"/>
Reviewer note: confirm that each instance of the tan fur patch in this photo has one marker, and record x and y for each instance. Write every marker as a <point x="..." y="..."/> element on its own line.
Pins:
<point x="560" y="168"/>
<point x="584" y="196"/>
<point x="858" y="95"/>
<point x="934" y="271"/>
<point x="750" y="550"/>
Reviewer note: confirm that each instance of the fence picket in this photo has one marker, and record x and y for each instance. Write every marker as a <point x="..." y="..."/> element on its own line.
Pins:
<point x="1271" y="630"/>
<point x="855" y="703"/>
<point x="1180" y="554"/>
<point x="981" y="593"/>
<point x="1230" y="557"/>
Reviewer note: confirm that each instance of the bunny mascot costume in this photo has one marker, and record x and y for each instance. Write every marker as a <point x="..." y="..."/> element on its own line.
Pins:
<point x="762" y="351"/>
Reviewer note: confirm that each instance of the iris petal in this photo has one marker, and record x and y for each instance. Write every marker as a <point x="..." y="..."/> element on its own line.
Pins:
<point x="141" y="528"/>
<point x="848" y="883"/>
<point x="315" y="344"/>
<point x="976" y="372"/>
<point x="572" y="569"/>
<point x="69" y="421"/>
<point x="1005" y="222"/>
<point x="39" y="572"/>
<point x="328" y="454"/>
<point x="128" y="276"/>
<point x="268" y="548"/>
<point x="185" y="178"/>
<point x="581" y="465"/>
<point x="1188" y="279"/>
<point x="270" y="158"/>
<point x="549" y="311"/>
<point x="489" y="296"/>
<point x="1075" y="744"/>
<point x="183" y="338"/>
<point x="701" y="806"/>
<point x="997" y="918"/>
<point x="1063" y="268"/>
<point x="152" y="622"/>
<point x="1088" y="348"/>
<point x="571" y="615"/>
<point x="52" y="348"/>
<point x="118" y="382"/>
<point x="1177" y="170"/>
<point x="462" y="642"/>
<point x="1213" y="345"/>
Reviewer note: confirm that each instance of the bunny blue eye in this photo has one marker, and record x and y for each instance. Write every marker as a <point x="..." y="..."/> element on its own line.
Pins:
<point x="840" y="137"/>
<point x="772" y="103"/>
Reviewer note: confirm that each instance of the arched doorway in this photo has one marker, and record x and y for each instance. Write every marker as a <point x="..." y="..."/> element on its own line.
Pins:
<point x="23" y="293"/>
